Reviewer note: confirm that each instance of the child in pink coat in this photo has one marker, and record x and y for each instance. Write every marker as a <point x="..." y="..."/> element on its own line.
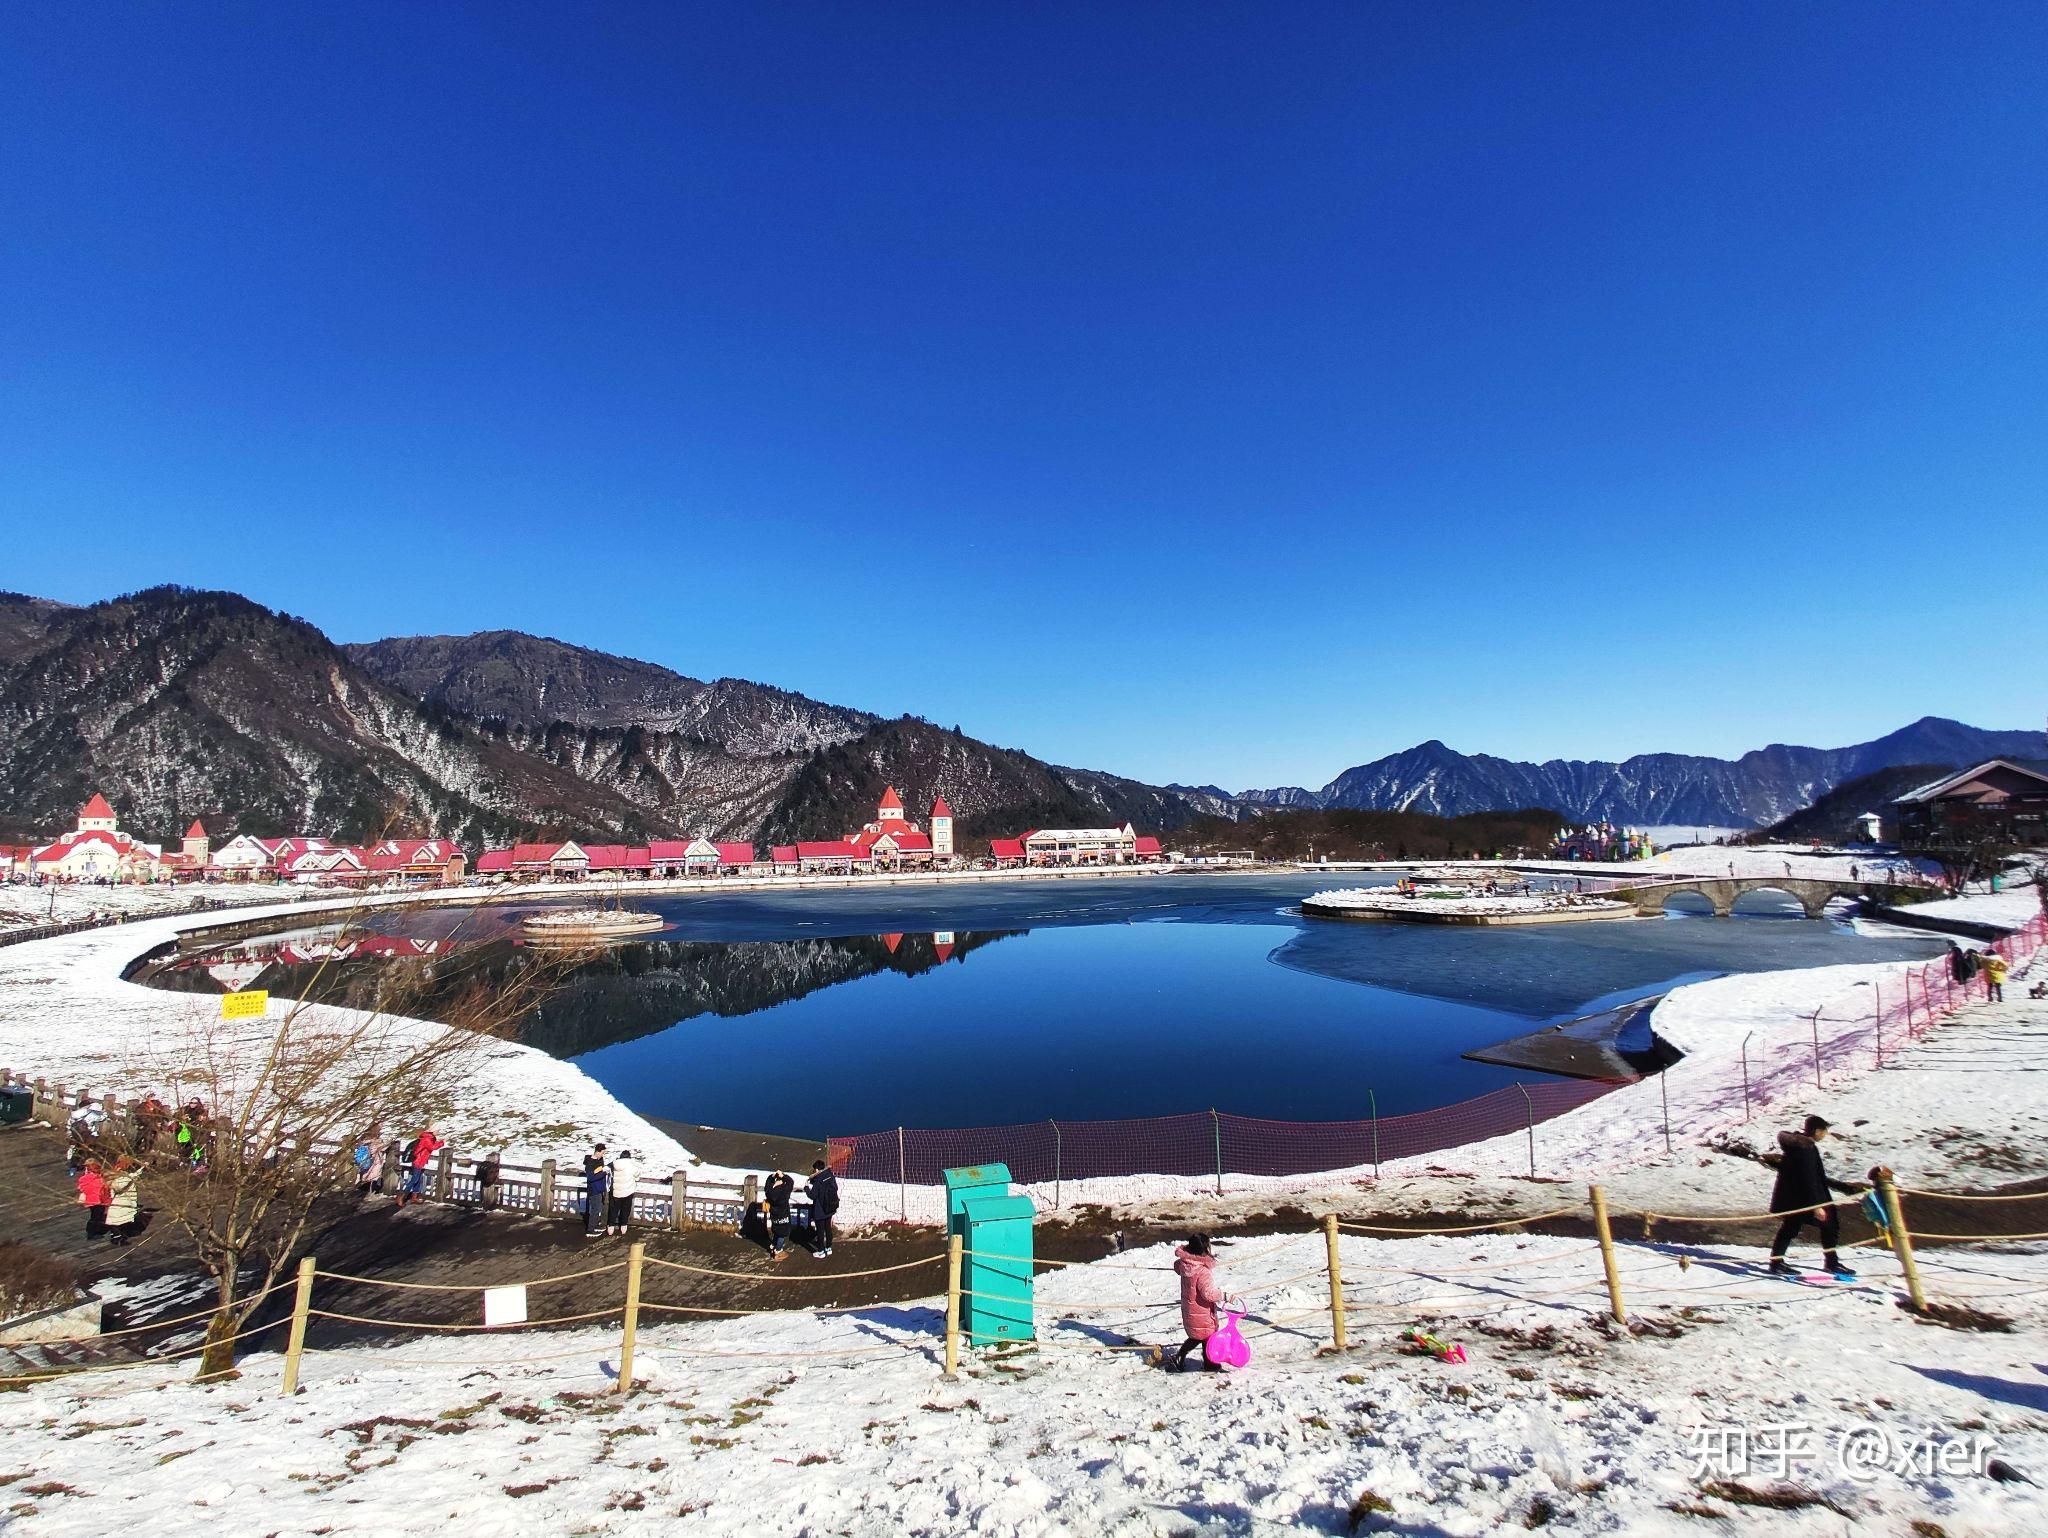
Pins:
<point x="1200" y="1297"/>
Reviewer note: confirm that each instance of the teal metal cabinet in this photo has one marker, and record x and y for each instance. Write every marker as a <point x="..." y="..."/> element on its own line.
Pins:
<point x="996" y="1270"/>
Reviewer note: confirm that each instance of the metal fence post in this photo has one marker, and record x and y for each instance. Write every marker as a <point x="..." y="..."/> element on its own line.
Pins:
<point x="902" y="1180"/>
<point x="1877" y="1021"/>
<point x="1057" y="1147"/>
<point x="1745" y="1077"/>
<point x="1372" y="1101"/>
<point x="1816" y="1049"/>
<point x="1216" y="1126"/>
<point x="1664" y="1094"/>
<point x="1529" y="1121"/>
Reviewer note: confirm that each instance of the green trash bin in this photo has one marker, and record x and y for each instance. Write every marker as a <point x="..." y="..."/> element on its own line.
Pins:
<point x="995" y="1275"/>
<point x="16" y="1105"/>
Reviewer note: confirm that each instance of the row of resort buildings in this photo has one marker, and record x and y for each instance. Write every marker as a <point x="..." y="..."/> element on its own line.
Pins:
<point x="97" y="850"/>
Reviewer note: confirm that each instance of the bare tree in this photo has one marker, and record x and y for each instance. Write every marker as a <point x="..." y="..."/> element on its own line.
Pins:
<point x="266" y="1112"/>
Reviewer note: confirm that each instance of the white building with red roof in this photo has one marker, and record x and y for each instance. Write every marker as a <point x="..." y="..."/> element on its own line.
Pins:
<point x="892" y="841"/>
<point x="97" y="850"/>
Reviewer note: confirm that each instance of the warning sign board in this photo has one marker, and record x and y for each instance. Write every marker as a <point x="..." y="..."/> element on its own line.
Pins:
<point x="244" y="1006"/>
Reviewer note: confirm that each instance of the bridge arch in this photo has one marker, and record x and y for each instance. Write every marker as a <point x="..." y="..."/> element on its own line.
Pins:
<point x="1685" y="900"/>
<point x="1810" y="903"/>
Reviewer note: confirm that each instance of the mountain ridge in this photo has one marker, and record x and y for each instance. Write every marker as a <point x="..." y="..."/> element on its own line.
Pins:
<point x="1757" y="789"/>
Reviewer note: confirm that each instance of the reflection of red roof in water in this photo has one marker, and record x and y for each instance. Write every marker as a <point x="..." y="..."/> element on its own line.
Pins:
<point x="943" y="949"/>
<point x="892" y="941"/>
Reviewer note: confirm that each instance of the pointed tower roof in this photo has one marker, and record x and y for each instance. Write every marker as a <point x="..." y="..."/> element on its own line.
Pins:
<point x="890" y="802"/>
<point x="197" y="830"/>
<point x="96" y="807"/>
<point x="940" y="809"/>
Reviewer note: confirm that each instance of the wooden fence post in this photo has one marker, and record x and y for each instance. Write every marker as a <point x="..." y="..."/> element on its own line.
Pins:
<point x="302" y="1301"/>
<point x="443" y="1162"/>
<point x="635" y="1253"/>
<point x="1336" y="1282"/>
<point x="1606" y="1234"/>
<point x="546" y="1200"/>
<point x="678" y="1198"/>
<point x="953" y="1246"/>
<point x="1902" y="1240"/>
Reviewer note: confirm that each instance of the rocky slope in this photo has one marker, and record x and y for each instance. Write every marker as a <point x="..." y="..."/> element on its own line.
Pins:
<point x="533" y="681"/>
<point x="1754" y="790"/>
<point x="179" y="704"/>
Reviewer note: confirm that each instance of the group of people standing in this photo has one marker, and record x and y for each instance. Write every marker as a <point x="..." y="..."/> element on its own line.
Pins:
<point x="106" y="1159"/>
<point x="1964" y="965"/>
<point x="609" y="1184"/>
<point x="769" y="1222"/>
<point x="383" y="1163"/>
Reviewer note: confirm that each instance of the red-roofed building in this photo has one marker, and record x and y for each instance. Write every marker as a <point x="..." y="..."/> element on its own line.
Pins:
<point x="494" y="862"/>
<point x="837" y="856"/>
<point x="1006" y="851"/>
<point x="735" y="857"/>
<point x="1147" y="848"/>
<point x="97" y="850"/>
<point x="892" y="842"/>
<point x="785" y="859"/>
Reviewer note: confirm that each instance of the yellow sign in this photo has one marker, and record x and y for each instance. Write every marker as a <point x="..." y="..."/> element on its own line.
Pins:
<point x="244" y="1006"/>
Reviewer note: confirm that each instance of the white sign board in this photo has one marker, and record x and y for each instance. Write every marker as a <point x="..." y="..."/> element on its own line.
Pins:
<point x="504" y="1305"/>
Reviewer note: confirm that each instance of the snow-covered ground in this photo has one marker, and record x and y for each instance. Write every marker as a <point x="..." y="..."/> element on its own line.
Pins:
<point x="1456" y="900"/>
<point x="23" y="906"/>
<point x="66" y="1015"/>
<point x="1738" y="1391"/>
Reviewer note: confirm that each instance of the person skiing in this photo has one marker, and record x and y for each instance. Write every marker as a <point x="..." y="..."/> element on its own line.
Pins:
<point x="1200" y="1297"/>
<point x="1802" y="1196"/>
<point x="625" y="1180"/>
<point x="777" y="1191"/>
<point x="93" y="1196"/>
<point x="596" y="1191"/>
<point x="823" y="1190"/>
<point x="1994" y="978"/>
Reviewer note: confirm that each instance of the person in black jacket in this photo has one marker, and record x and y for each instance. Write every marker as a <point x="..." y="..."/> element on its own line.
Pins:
<point x="1802" y="1196"/>
<point x="778" y="1190"/>
<point x="823" y="1190"/>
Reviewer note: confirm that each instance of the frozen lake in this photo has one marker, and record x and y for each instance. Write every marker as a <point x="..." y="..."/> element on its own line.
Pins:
<point x="844" y="1010"/>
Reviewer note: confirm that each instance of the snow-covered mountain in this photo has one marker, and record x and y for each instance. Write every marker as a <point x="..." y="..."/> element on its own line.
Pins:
<point x="1756" y="789"/>
<point x="180" y="704"/>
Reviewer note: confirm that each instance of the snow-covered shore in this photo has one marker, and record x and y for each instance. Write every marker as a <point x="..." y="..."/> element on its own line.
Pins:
<point x="65" y="1014"/>
<point x="1735" y="1393"/>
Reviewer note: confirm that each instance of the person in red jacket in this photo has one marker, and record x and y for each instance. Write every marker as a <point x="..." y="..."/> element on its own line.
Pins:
<point x="93" y="1196"/>
<point x="1200" y="1297"/>
<point x="418" y="1160"/>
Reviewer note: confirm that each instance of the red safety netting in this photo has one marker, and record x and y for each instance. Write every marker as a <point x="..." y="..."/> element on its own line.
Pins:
<point x="1201" y="1143"/>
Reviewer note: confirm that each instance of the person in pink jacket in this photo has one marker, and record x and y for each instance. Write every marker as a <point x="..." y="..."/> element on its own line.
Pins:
<point x="93" y="1196"/>
<point x="1200" y="1297"/>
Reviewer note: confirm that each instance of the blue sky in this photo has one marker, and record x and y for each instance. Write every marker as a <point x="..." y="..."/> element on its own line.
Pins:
<point x="1203" y="392"/>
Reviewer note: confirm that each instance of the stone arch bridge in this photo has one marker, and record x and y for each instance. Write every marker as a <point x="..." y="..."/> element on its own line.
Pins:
<point x="1813" y="895"/>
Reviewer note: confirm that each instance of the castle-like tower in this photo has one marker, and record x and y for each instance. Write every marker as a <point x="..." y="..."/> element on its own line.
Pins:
<point x="96" y="816"/>
<point x="942" y="830"/>
<point x="198" y="846"/>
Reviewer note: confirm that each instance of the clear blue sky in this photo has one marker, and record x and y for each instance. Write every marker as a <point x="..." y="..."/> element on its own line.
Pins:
<point x="1225" y="393"/>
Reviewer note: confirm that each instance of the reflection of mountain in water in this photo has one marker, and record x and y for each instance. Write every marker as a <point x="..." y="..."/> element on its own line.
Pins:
<point x="628" y="991"/>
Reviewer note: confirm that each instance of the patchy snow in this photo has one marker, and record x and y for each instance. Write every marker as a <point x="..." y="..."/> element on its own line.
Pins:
<point x="844" y="1425"/>
<point x="1456" y="900"/>
<point x="23" y="905"/>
